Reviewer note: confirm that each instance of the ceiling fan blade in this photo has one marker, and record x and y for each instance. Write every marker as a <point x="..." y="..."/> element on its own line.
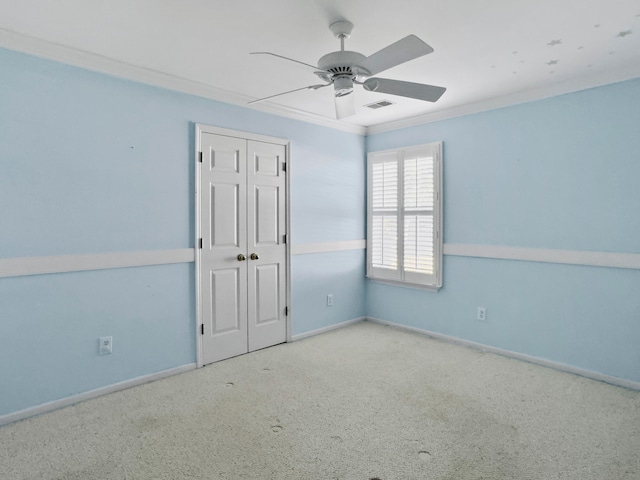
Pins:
<point x="403" y="50"/>
<point x="345" y="106"/>
<point x="420" y="91"/>
<point x="286" y="58"/>
<point x="310" y="87"/>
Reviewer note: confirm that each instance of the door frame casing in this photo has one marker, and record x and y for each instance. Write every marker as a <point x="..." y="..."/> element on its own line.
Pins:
<point x="202" y="128"/>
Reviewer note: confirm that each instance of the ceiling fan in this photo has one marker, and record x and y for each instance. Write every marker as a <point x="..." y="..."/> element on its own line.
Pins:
<point x="344" y="68"/>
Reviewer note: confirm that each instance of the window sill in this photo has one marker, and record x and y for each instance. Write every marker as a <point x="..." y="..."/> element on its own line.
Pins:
<point x="397" y="283"/>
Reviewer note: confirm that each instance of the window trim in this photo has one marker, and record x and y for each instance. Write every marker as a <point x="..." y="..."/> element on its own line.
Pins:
<point x="432" y="149"/>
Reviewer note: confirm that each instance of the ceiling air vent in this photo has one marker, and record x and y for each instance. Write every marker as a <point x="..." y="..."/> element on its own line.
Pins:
<point x="380" y="104"/>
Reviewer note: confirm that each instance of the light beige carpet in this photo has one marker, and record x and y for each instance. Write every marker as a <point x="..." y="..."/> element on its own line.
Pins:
<point x="363" y="402"/>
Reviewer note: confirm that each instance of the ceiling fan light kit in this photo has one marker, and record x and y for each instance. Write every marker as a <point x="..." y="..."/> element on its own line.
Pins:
<point x="343" y="85"/>
<point x="344" y="68"/>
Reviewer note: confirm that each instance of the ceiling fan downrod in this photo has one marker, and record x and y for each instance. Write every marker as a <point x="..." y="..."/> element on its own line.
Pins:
<point x="341" y="30"/>
<point x="341" y="65"/>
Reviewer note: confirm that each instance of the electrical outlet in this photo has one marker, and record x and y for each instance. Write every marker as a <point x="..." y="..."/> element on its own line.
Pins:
<point x="106" y="345"/>
<point x="330" y="300"/>
<point x="482" y="314"/>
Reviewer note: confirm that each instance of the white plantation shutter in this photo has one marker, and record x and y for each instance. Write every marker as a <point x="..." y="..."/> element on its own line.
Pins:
<point x="384" y="202"/>
<point x="384" y="248"/>
<point x="404" y="216"/>
<point x="418" y="218"/>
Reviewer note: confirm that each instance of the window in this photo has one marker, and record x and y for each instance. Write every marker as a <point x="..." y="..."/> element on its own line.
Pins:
<point x="404" y="216"/>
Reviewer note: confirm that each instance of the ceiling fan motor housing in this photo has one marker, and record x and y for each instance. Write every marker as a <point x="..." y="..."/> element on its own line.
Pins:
<point x="344" y="63"/>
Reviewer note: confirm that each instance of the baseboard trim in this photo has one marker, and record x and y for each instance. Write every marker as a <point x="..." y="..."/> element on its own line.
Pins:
<point x="313" y="333"/>
<point x="98" y="392"/>
<point x="619" y="382"/>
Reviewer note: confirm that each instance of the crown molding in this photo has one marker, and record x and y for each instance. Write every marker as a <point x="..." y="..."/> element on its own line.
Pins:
<point x="90" y="61"/>
<point x="561" y="88"/>
<point x="296" y="114"/>
<point x="53" y="51"/>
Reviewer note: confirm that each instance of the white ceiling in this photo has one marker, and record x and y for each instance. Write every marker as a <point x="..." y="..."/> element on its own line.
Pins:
<point x="487" y="52"/>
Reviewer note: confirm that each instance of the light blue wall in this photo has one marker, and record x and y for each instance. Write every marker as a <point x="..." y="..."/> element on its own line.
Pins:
<point x="51" y="323"/>
<point x="561" y="173"/>
<point x="340" y="274"/>
<point x="89" y="164"/>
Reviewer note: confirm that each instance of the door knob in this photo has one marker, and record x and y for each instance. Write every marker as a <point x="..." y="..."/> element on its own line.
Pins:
<point x="253" y="256"/>
<point x="241" y="257"/>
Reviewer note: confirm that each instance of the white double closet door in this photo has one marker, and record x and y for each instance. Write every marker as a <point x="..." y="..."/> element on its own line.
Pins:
<point x="242" y="262"/>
